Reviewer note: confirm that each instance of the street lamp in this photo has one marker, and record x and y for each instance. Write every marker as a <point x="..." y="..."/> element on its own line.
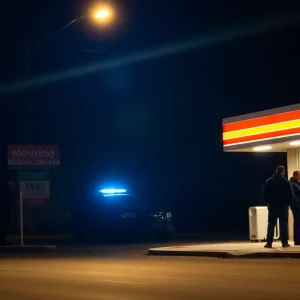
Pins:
<point x="99" y="14"/>
<point x="102" y="15"/>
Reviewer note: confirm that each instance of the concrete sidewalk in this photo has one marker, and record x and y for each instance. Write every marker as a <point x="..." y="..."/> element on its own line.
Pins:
<point x="233" y="250"/>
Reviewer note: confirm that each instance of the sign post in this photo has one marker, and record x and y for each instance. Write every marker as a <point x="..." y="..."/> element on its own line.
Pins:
<point x="34" y="186"/>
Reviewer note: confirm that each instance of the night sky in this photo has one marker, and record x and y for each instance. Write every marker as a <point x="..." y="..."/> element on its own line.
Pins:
<point x="155" y="126"/>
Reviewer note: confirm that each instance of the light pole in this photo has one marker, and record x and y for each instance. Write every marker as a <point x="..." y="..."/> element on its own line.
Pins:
<point x="101" y="15"/>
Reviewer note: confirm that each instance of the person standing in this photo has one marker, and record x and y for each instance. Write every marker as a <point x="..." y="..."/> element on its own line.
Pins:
<point x="278" y="194"/>
<point x="295" y="182"/>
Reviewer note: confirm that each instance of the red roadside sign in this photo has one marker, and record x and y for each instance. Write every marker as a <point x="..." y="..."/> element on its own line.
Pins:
<point x="30" y="156"/>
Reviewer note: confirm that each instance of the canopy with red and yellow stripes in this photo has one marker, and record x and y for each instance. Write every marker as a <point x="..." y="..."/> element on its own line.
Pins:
<point x="266" y="127"/>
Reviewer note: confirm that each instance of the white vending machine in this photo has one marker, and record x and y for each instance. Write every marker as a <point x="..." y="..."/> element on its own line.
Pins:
<point x="258" y="224"/>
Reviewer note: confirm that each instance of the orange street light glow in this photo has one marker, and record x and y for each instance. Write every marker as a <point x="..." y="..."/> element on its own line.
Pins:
<point x="102" y="14"/>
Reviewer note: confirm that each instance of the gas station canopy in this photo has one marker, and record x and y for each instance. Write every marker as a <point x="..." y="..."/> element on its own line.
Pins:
<point x="274" y="130"/>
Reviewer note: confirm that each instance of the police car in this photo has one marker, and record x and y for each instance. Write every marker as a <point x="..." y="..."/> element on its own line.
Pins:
<point x="114" y="214"/>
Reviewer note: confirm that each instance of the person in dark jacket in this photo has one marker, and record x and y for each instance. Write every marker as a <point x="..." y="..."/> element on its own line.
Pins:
<point x="295" y="182"/>
<point x="278" y="195"/>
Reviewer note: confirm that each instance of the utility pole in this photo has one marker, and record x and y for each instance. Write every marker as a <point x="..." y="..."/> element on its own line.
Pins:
<point x="28" y="135"/>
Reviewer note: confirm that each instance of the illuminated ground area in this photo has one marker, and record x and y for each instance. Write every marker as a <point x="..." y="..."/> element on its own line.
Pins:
<point x="123" y="272"/>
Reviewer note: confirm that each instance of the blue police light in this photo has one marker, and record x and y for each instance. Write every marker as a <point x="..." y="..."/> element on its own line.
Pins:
<point x="113" y="192"/>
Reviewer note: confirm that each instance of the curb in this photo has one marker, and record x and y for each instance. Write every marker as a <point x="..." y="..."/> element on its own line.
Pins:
<point x="216" y="234"/>
<point x="190" y="253"/>
<point x="26" y="249"/>
<point x="271" y="255"/>
<point x="223" y="254"/>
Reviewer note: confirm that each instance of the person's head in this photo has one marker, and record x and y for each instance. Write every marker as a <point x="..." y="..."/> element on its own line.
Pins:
<point x="280" y="170"/>
<point x="296" y="175"/>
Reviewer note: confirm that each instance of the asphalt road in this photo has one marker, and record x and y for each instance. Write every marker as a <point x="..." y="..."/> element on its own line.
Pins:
<point x="113" y="272"/>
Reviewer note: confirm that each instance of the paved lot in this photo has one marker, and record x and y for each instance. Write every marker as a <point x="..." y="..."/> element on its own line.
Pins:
<point x="126" y="272"/>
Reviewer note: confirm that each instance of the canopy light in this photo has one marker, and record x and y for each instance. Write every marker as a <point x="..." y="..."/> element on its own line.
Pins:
<point x="262" y="148"/>
<point x="296" y="143"/>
